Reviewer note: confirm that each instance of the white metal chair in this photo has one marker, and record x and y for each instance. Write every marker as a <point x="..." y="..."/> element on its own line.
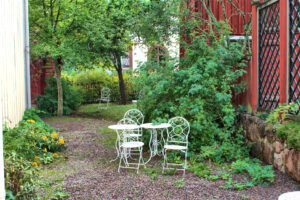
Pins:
<point x="105" y="97"/>
<point x="127" y="147"/>
<point x="138" y="117"/>
<point x="177" y="140"/>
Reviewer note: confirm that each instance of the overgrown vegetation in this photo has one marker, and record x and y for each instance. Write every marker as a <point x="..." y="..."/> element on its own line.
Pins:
<point x="286" y="120"/>
<point x="28" y="146"/>
<point x="200" y="88"/>
<point x="48" y="101"/>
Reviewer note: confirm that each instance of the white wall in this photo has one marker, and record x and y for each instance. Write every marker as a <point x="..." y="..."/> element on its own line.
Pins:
<point x="139" y="51"/>
<point x="12" y="60"/>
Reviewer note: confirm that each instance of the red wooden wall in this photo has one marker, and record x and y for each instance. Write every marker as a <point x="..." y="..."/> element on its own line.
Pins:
<point x="39" y="71"/>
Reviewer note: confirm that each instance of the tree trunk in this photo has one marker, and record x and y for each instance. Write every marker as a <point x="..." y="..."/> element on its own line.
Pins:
<point x="60" y="101"/>
<point x="121" y="81"/>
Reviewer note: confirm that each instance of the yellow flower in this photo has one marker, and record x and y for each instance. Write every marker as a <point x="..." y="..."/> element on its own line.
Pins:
<point x="31" y="121"/>
<point x="36" y="158"/>
<point x="61" y="141"/>
<point x="44" y="138"/>
<point x="34" y="164"/>
<point x="54" y="135"/>
<point x="55" y="155"/>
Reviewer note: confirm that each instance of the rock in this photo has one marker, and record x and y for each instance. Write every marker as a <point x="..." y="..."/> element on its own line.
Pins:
<point x="279" y="161"/>
<point x="253" y="134"/>
<point x="267" y="152"/>
<point x="256" y="150"/>
<point x="292" y="164"/>
<point x="278" y="147"/>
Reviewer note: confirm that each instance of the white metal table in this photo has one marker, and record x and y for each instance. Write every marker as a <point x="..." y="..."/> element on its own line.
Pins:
<point x="119" y="127"/>
<point x="154" y="142"/>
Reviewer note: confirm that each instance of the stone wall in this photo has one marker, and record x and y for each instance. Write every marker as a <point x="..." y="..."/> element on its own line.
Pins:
<point x="269" y="148"/>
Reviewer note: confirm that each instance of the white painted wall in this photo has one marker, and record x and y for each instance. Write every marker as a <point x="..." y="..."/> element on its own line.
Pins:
<point x="139" y="51"/>
<point x="12" y="60"/>
<point x="13" y="73"/>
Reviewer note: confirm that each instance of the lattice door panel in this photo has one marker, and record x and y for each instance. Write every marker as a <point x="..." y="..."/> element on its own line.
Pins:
<point x="269" y="56"/>
<point x="294" y="84"/>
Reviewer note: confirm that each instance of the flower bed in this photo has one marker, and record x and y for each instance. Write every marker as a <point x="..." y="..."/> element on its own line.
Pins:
<point x="30" y="144"/>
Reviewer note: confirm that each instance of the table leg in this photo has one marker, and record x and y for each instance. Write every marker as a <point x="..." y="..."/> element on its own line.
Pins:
<point x="118" y="153"/>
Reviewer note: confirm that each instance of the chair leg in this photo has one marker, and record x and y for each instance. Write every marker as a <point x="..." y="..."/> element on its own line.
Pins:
<point x="165" y="160"/>
<point x="140" y="159"/>
<point x="120" y="162"/>
<point x="185" y="163"/>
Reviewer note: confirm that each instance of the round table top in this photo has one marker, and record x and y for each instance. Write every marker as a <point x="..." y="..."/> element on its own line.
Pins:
<point x="155" y="126"/>
<point x="290" y="196"/>
<point x="124" y="126"/>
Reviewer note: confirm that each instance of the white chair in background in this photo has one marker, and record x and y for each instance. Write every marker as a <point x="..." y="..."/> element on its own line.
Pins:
<point x="105" y="97"/>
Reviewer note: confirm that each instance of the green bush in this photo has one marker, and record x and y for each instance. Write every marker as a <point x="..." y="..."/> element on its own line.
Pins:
<point x="27" y="146"/>
<point x="199" y="89"/>
<point x="91" y="82"/>
<point x="20" y="177"/>
<point x="48" y="102"/>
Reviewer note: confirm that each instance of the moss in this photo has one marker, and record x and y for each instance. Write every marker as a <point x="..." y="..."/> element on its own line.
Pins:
<point x="290" y="131"/>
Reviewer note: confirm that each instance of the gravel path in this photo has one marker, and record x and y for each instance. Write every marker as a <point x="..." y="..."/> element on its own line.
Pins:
<point x="90" y="175"/>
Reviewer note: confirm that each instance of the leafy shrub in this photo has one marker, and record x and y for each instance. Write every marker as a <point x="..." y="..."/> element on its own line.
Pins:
<point x="33" y="140"/>
<point x="27" y="146"/>
<point x="200" y="90"/>
<point x="48" y="102"/>
<point x="20" y="177"/>
<point x="91" y="82"/>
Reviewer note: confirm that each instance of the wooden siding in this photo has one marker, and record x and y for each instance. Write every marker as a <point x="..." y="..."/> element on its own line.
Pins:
<point x="12" y="61"/>
<point x="232" y="14"/>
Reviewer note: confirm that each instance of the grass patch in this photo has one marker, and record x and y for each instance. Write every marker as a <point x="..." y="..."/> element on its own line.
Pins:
<point x="51" y="181"/>
<point x="109" y="137"/>
<point x="114" y="112"/>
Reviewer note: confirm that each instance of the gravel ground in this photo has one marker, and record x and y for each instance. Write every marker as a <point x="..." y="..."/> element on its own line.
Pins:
<point x="89" y="174"/>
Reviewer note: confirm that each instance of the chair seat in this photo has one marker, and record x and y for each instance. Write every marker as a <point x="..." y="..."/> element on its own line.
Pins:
<point x="132" y="144"/>
<point x="131" y="135"/>
<point x="175" y="147"/>
<point x="105" y="99"/>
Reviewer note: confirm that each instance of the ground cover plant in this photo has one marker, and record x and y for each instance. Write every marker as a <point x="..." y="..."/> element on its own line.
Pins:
<point x="27" y="146"/>
<point x="286" y="119"/>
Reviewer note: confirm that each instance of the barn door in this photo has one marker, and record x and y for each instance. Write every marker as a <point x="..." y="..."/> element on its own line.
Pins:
<point x="269" y="56"/>
<point x="294" y="73"/>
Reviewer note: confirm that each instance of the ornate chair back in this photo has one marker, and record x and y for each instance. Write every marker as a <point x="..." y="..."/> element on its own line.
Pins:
<point x="135" y="115"/>
<point x="178" y="132"/>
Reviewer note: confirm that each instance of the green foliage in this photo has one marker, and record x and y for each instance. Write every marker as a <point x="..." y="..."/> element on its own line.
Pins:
<point x="27" y="146"/>
<point x="193" y="90"/>
<point x="90" y="83"/>
<point x="48" y="101"/>
<point x="259" y="174"/>
<point x="20" y="177"/>
<point x="290" y="131"/>
<point x="284" y="118"/>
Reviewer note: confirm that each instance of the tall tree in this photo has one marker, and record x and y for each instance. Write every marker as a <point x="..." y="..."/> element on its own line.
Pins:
<point x="55" y="34"/>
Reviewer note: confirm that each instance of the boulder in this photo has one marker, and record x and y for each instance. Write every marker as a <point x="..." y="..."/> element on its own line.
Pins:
<point x="292" y="163"/>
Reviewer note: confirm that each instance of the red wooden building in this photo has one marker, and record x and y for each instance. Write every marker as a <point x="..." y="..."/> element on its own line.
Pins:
<point x="273" y="74"/>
